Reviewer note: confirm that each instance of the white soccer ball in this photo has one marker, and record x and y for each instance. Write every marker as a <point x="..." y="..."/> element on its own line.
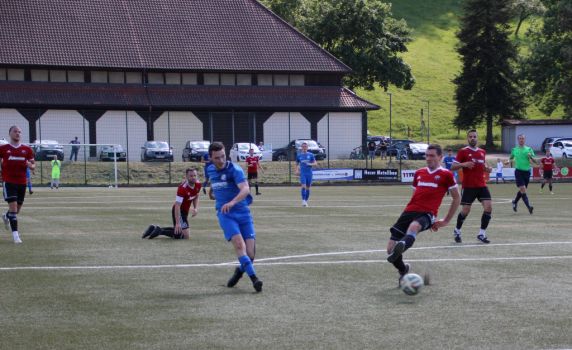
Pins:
<point x="411" y="284"/>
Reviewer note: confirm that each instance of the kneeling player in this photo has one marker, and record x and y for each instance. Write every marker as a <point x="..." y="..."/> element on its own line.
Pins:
<point x="187" y="194"/>
<point x="431" y="184"/>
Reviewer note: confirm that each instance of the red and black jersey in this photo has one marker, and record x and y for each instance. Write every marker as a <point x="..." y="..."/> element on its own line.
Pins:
<point x="252" y="164"/>
<point x="547" y="163"/>
<point x="15" y="162"/>
<point x="475" y="177"/>
<point x="186" y="194"/>
<point x="430" y="188"/>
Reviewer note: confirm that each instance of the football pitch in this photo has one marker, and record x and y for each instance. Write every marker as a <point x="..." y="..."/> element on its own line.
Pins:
<point x="84" y="278"/>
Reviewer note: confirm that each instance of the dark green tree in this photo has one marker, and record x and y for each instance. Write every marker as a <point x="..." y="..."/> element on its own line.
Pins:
<point x="361" y="33"/>
<point x="548" y="69"/>
<point x="487" y="88"/>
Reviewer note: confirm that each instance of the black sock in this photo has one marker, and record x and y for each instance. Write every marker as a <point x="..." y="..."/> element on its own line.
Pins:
<point x="485" y="219"/>
<point x="400" y="265"/>
<point x="13" y="220"/>
<point x="550" y="187"/>
<point x="409" y="240"/>
<point x="518" y="195"/>
<point x="525" y="200"/>
<point x="168" y="231"/>
<point x="460" y="219"/>
<point x="253" y="278"/>
<point x="256" y="186"/>
<point x="542" y="186"/>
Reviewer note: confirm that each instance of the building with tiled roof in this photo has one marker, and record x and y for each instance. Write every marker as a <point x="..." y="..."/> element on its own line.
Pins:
<point x="124" y="72"/>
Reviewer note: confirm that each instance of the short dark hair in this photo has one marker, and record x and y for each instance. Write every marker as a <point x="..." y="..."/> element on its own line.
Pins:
<point x="470" y="131"/>
<point x="12" y="127"/>
<point x="437" y="148"/>
<point x="191" y="169"/>
<point x="215" y="147"/>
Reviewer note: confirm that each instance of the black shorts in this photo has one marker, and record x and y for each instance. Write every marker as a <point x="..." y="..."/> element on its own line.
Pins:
<point x="252" y="176"/>
<point x="522" y="177"/>
<point x="184" y="219"/>
<point x="469" y="195"/>
<point x="399" y="229"/>
<point x="547" y="174"/>
<point x="14" y="192"/>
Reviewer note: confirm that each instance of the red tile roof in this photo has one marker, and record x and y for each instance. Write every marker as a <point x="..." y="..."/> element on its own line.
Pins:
<point x="200" y="35"/>
<point x="76" y="95"/>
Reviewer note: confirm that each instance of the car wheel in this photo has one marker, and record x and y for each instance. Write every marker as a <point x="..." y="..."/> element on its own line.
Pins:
<point x="281" y="158"/>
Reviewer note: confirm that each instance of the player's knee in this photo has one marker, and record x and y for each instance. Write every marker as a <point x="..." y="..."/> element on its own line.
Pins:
<point x="414" y="226"/>
<point x="11" y="216"/>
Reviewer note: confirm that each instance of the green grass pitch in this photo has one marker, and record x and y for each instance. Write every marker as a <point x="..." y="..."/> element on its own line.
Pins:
<point x="84" y="279"/>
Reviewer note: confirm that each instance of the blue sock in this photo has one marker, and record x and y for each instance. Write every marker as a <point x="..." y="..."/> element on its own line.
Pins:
<point x="303" y="192"/>
<point x="409" y="239"/>
<point x="307" y="194"/>
<point x="246" y="265"/>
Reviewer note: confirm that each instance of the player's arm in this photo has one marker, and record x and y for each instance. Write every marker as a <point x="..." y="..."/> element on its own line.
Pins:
<point x="260" y="166"/>
<point x="244" y="191"/>
<point x="195" y="204"/>
<point x="456" y="200"/>
<point x="211" y="194"/>
<point x="178" y="202"/>
<point x="314" y="162"/>
<point x="31" y="164"/>
<point x="531" y="156"/>
<point x="297" y="166"/>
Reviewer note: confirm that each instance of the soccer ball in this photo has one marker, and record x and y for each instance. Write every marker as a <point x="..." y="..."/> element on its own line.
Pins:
<point x="411" y="283"/>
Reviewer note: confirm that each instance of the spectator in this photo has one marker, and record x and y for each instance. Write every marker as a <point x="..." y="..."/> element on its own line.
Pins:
<point x="383" y="149"/>
<point x="56" y="167"/>
<point x="371" y="150"/>
<point x="74" y="149"/>
<point x="499" y="170"/>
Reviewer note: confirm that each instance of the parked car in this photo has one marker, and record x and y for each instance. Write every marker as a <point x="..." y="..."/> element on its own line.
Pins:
<point x="47" y="149"/>
<point x="194" y="151"/>
<point x="417" y="150"/>
<point x="239" y="151"/>
<point x="399" y="146"/>
<point x="547" y="143"/>
<point x="156" y="150"/>
<point x="107" y="154"/>
<point x="561" y="149"/>
<point x="290" y="151"/>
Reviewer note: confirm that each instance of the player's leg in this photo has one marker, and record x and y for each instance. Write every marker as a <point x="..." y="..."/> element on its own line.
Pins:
<point x="486" y="217"/>
<point x="308" y="186"/>
<point x="519" y="181"/>
<point x="303" y="189"/>
<point x="256" y="184"/>
<point x="467" y="198"/>
<point x="14" y="195"/>
<point x="524" y="195"/>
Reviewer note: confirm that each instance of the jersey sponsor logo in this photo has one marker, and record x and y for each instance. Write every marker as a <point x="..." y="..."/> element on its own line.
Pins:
<point x="427" y="184"/>
<point x="223" y="177"/>
<point x="16" y="158"/>
<point x="437" y="177"/>
<point x="219" y="185"/>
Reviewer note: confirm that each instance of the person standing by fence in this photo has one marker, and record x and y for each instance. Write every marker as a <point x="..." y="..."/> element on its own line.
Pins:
<point x="56" y="172"/>
<point x="74" y="149"/>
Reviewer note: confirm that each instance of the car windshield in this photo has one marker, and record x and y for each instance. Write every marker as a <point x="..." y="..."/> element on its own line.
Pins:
<point x="157" y="144"/>
<point x="311" y="143"/>
<point x="248" y="146"/>
<point x="200" y="144"/>
<point x="118" y="148"/>
<point x="568" y="145"/>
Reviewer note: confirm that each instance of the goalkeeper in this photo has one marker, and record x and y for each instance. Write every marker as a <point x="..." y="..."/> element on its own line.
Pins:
<point x="187" y="195"/>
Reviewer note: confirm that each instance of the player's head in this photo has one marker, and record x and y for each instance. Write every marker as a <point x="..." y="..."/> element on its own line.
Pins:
<point x="217" y="154"/>
<point x="521" y="139"/>
<point x="251" y="152"/>
<point x="450" y="152"/>
<point x="433" y="156"/>
<point x="472" y="137"/>
<point x="547" y="152"/>
<point x="191" y="175"/>
<point x="304" y="147"/>
<point x="15" y="133"/>
<point x="498" y="160"/>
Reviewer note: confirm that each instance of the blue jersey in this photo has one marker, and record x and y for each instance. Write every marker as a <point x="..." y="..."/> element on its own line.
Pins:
<point x="224" y="184"/>
<point x="303" y="159"/>
<point x="448" y="162"/>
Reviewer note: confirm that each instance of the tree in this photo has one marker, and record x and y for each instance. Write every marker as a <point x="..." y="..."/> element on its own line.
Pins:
<point x="523" y="9"/>
<point x="548" y="69"/>
<point x="487" y="87"/>
<point x="361" y="33"/>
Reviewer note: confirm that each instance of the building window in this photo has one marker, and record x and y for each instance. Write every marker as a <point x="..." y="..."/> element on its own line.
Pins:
<point x="211" y="79"/>
<point x="2" y="74"/>
<point x="265" y="79"/>
<point x="243" y="79"/>
<point x="133" y="78"/>
<point x="117" y="77"/>
<point x="99" y="76"/>
<point x="40" y="75"/>
<point x="75" y="76"/>
<point x="281" y="80"/>
<point x="297" y="80"/>
<point x="58" y="76"/>
<point x="156" y="78"/>
<point x="228" y="79"/>
<point x="15" y="74"/>
<point x="189" y="78"/>
<point x="173" y="78"/>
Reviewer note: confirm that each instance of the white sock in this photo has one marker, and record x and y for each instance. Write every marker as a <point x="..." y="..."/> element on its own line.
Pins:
<point x="16" y="235"/>
<point x="482" y="232"/>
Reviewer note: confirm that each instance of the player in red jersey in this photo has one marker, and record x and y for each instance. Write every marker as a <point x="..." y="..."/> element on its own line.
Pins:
<point x="430" y="184"/>
<point x="16" y="158"/>
<point x="187" y="194"/>
<point x="472" y="160"/>
<point x="547" y="169"/>
<point x="253" y="164"/>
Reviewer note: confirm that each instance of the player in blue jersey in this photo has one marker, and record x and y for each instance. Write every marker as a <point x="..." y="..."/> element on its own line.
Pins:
<point x="230" y="189"/>
<point x="304" y="162"/>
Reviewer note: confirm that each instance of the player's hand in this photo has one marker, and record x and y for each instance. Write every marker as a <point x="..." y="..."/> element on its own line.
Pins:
<point x="178" y="229"/>
<point x="194" y="212"/>
<point x="437" y="225"/>
<point x="226" y="208"/>
<point x="211" y="195"/>
<point x="469" y="165"/>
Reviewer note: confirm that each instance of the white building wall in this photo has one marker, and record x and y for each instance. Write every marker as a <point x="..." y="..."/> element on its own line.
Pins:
<point x="277" y="131"/>
<point x="345" y="133"/>
<point x="184" y="126"/>
<point x="63" y="126"/>
<point x="113" y="126"/>
<point x="10" y="117"/>
<point x="535" y="134"/>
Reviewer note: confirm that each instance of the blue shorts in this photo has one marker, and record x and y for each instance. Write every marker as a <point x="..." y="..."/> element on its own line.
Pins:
<point x="499" y="174"/>
<point x="306" y="179"/>
<point x="237" y="222"/>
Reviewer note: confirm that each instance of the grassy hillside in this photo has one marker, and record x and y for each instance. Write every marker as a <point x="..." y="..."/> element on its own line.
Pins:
<point x="434" y="63"/>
